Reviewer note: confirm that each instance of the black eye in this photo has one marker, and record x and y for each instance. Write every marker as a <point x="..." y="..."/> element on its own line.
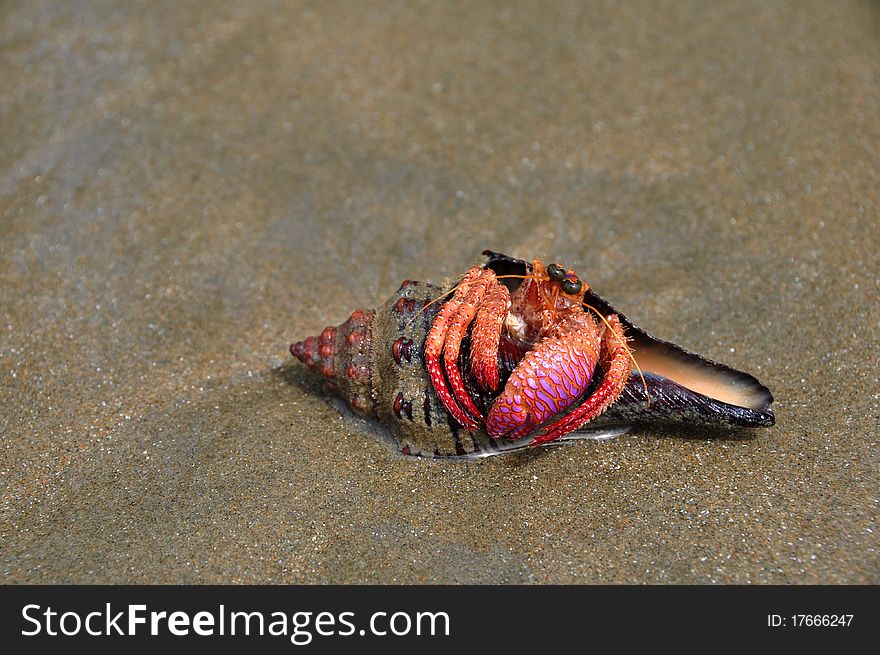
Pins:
<point x="555" y="272"/>
<point x="571" y="287"/>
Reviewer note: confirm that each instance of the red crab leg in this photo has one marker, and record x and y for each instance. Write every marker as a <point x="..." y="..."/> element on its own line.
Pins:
<point x="549" y="379"/>
<point x="458" y="326"/>
<point x="486" y="335"/>
<point x="434" y="346"/>
<point x="617" y="366"/>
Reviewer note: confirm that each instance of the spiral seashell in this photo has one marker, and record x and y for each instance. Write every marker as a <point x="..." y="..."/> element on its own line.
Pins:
<point x="375" y="361"/>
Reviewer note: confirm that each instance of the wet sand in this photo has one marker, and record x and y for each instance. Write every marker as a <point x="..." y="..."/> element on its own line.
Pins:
<point x="186" y="188"/>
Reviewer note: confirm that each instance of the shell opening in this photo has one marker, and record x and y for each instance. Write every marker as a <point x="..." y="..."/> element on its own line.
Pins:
<point x="694" y="374"/>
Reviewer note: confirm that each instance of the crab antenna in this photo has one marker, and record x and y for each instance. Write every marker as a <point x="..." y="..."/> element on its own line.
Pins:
<point x="428" y="304"/>
<point x="628" y="349"/>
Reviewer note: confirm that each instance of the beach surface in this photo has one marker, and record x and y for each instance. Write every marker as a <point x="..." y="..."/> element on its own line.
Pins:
<point x="186" y="188"/>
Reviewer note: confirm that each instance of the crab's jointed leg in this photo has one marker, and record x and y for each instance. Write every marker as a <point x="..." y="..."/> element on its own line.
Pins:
<point x="458" y="326"/>
<point x="486" y="336"/>
<point x="616" y="364"/>
<point x="434" y="346"/>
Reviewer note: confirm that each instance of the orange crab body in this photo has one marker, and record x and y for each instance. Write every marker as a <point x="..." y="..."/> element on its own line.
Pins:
<point x="564" y="345"/>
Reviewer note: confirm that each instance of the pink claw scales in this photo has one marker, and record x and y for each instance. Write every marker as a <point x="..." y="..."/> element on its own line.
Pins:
<point x="616" y="364"/>
<point x="548" y="380"/>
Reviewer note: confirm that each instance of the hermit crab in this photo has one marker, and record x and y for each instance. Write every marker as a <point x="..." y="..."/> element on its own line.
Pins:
<point x="519" y="354"/>
<point x="561" y="344"/>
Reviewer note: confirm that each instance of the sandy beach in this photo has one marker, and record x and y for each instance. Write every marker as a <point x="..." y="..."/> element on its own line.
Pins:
<point x="187" y="188"/>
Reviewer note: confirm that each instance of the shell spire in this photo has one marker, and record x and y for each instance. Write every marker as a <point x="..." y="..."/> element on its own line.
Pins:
<point x="342" y="355"/>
